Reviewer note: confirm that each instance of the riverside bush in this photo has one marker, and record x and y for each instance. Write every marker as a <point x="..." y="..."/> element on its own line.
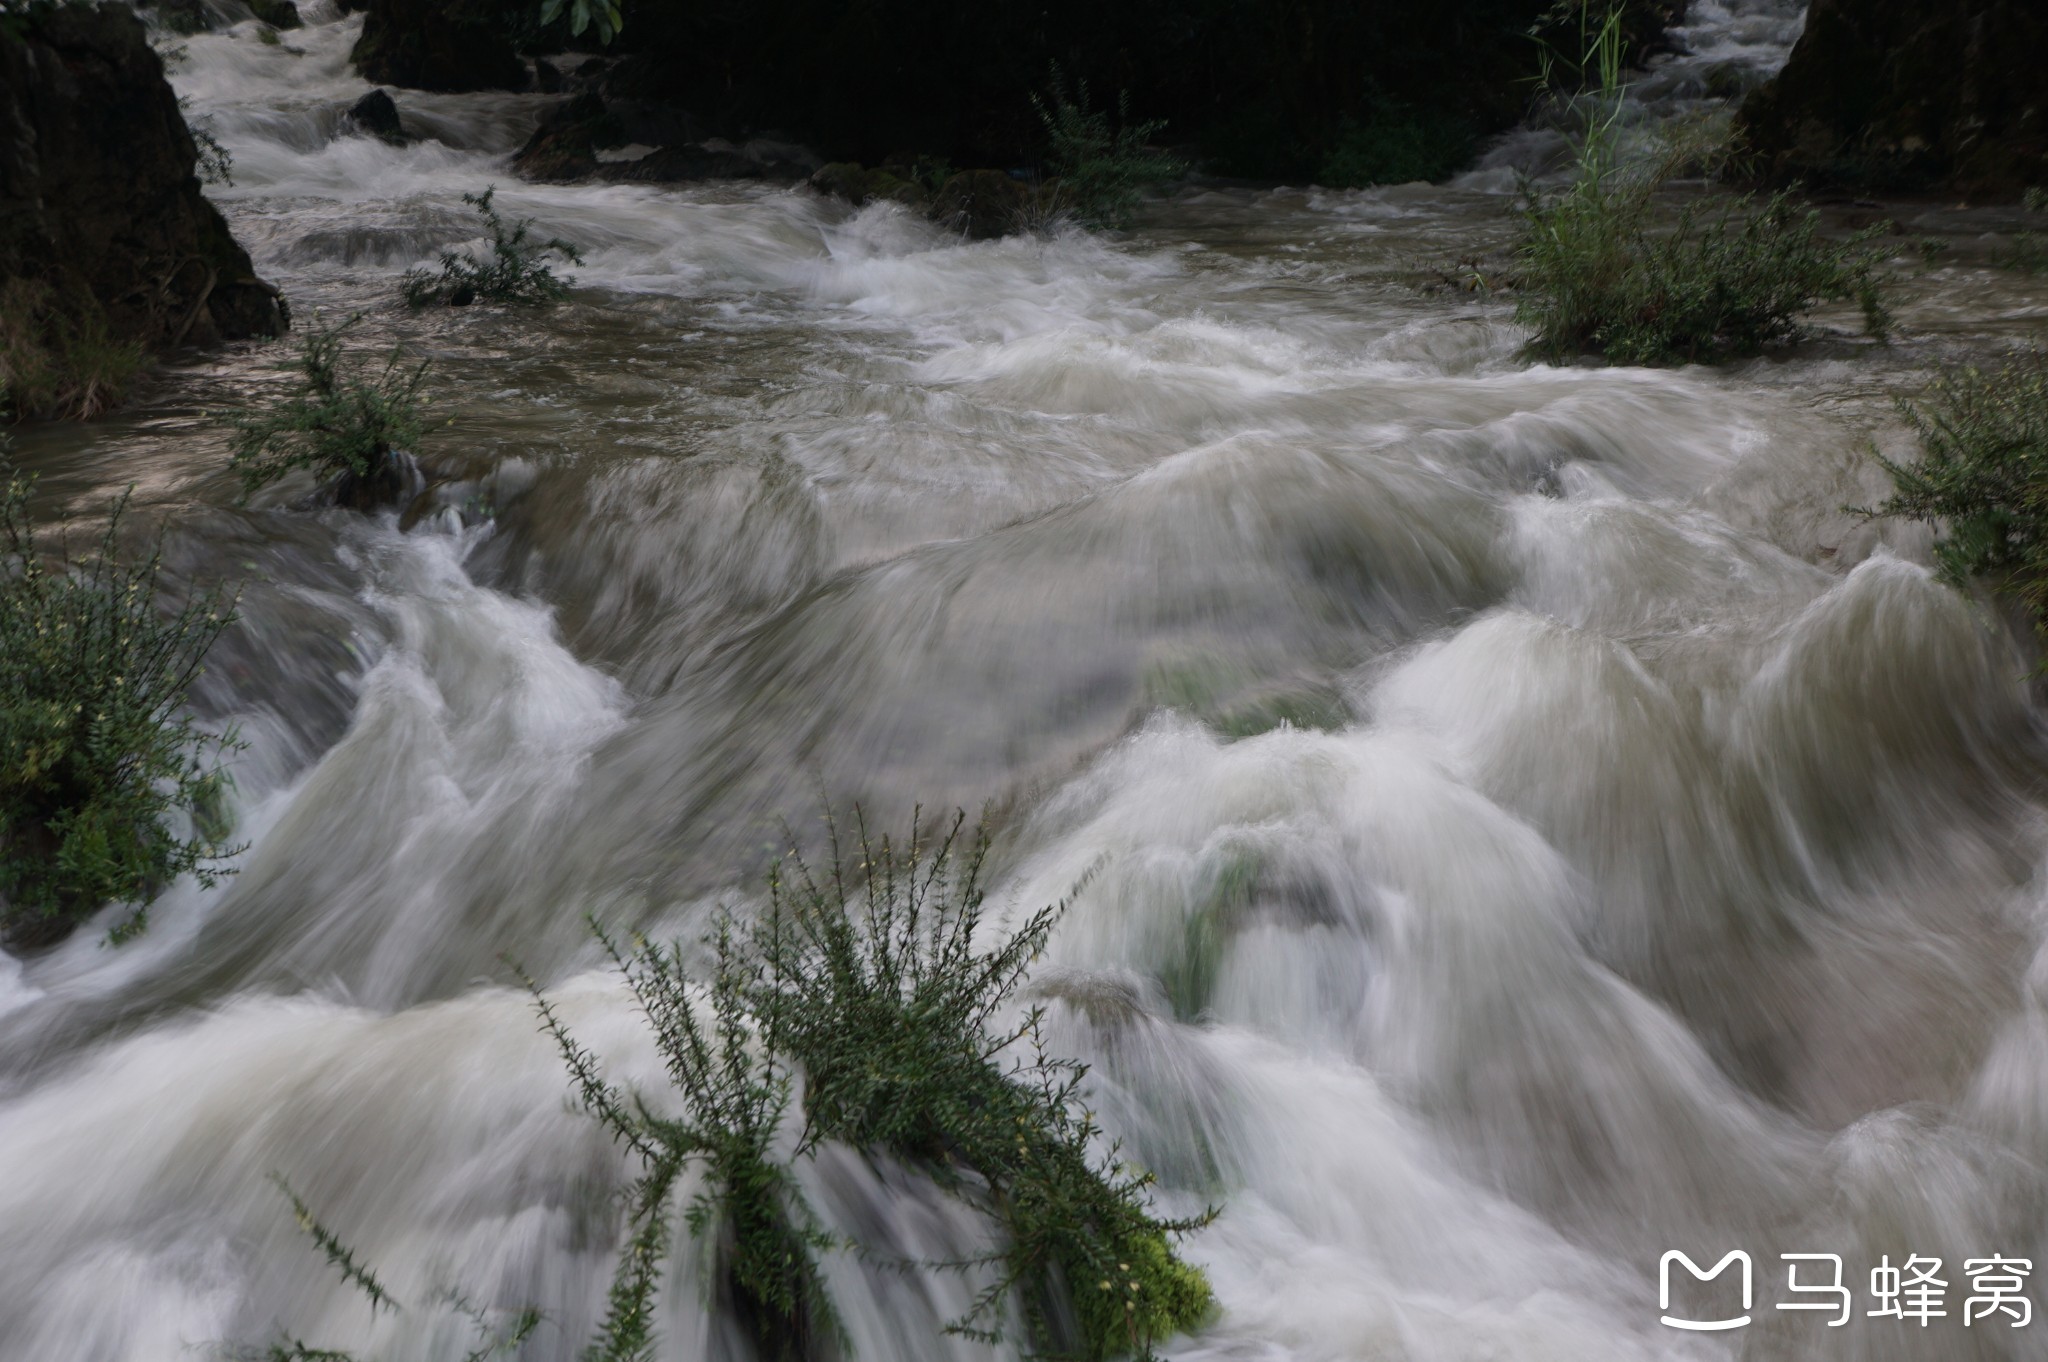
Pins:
<point x="1102" y="167"/>
<point x="96" y="752"/>
<point x="516" y="271"/>
<point x="1595" y="277"/>
<point x="350" y="427"/>
<point x="1982" y="476"/>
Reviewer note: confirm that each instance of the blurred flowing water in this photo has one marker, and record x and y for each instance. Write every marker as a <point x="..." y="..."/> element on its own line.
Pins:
<point x="1536" y="827"/>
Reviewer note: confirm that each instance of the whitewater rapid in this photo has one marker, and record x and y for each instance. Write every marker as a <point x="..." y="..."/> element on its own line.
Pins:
<point x="1533" y="825"/>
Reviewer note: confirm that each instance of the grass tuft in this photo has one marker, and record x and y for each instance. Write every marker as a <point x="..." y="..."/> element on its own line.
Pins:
<point x="59" y="359"/>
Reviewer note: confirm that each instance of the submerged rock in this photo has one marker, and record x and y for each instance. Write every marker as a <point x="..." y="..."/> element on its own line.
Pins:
<point x="99" y="203"/>
<point x="1909" y="95"/>
<point x="376" y="115"/>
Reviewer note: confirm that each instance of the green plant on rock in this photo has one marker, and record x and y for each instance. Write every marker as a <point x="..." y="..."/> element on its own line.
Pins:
<point x="893" y="1014"/>
<point x="1982" y="476"/>
<point x="1102" y="165"/>
<point x="350" y="427"/>
<point x="735" y="1090"/>
<point x="97" y="752"/>
<point x="1596" y="277"/>
<point x="515" y="272"/>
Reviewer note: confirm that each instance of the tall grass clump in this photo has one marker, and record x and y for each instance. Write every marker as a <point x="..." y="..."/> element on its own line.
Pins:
<point x="352" y="427"/>
<point x="99" y="762"/>
<point x="1597" y="277"/>
<point x="515" y="272"/>
<point x="1982" y="476"/>
<point x="871" y="984"/>
<point x="59" y="358"/>
<point x="1102" y="166"/>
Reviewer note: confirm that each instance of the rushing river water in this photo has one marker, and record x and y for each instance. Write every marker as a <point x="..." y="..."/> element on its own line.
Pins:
<point x="1536" y="826"/>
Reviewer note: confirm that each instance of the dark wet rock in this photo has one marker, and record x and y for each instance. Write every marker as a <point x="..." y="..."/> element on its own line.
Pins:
<point x="548" y="77"/>
<point x="376" y="115"/>
<point x="393" y="480"/>
<point x="565" y="143"/>
<point x="276" y="13"/>
<point x="677" y="165"/>
<point x="1909" y="95"/>
<point x="982" y="203"/>
<point x="98" y="196"/>
<point x="448" y="45"/>
<point x="859" y="185"/>
<point x="595" y="136"/>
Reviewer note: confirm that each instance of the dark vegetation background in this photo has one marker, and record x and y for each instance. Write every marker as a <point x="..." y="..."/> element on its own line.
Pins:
<point x="1295" y="90"/>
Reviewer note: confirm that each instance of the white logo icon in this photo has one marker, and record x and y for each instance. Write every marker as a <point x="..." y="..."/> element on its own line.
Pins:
<point x="1664" y="1288"/>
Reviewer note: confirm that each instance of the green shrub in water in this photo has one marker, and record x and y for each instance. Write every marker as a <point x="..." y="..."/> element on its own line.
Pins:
<point x="349" y="426"/>
<point x="1982" y="476"/>
<point x="1596" y="278"/>
<point x="516" y="271"/>
<point x="96" y="752"/>
<point x="881" y="997"/>
<point x="1102" y="166"/>
<point x="735" y="1090"/>
<point x="869" y="983"/>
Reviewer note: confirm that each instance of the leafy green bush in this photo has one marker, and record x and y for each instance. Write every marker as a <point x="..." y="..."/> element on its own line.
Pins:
<point x="1595" y="277"/>
<point x="349" y="427"/>
<point x="1983" y="476"/>
<point x="877" y="994"/>
<point x="516" y="272"/>
<point x="1102" y="167"/>
<point x="96" y="752"/>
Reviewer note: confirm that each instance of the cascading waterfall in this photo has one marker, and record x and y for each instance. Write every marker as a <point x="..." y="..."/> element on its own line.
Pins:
<point x="1533" y="826"/>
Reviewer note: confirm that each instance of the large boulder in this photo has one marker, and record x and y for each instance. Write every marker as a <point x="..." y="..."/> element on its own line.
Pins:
<point x="98" y="197"/>
<point x="446" y="45"/>
<point x="1909" y="95"/>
